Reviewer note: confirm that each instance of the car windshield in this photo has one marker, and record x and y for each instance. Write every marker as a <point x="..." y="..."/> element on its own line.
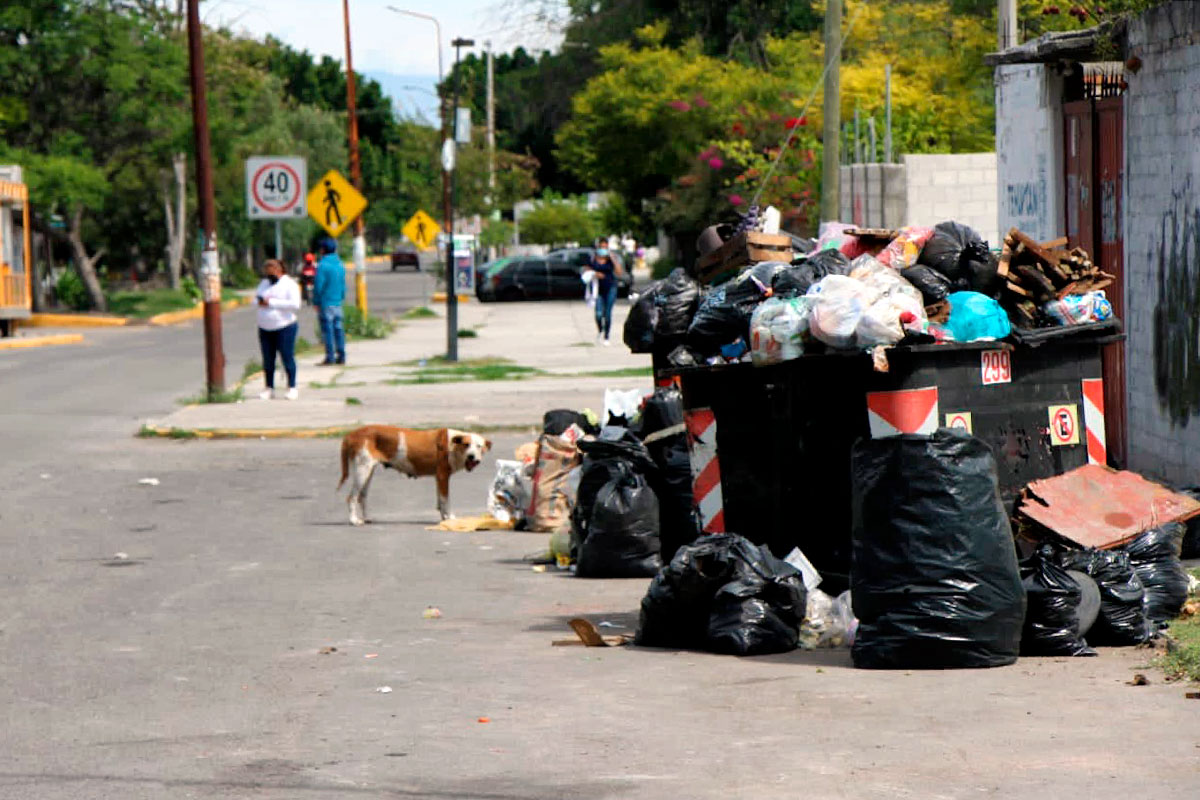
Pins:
<point x="492" y="267"/>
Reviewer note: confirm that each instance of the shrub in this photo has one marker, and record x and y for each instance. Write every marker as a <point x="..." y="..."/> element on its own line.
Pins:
<point x="188" y="284"/>
<point x="365" y="326"/>
<point x="71" y="291"/>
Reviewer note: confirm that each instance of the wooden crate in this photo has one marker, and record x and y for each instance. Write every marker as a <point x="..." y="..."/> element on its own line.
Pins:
<point x="743" y="249"/>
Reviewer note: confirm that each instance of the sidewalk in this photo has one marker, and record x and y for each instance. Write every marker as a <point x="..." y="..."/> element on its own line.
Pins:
<point x="543" y="354"/>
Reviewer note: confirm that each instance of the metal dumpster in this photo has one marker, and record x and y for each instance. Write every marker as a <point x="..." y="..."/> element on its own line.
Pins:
<point x="771" y="445"/>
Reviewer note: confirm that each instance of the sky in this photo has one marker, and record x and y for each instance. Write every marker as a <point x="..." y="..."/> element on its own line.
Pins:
<point x="396" y="50"/>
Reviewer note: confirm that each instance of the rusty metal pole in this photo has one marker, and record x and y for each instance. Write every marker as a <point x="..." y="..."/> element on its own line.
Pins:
<point x="832" y="113"/>
<point x="360" y="241"/>
<point x="210" y="261"/>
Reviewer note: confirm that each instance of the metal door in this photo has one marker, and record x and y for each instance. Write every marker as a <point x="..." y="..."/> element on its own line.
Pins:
<point x="1110" y="161"/>
<point x="1078" y="120"/>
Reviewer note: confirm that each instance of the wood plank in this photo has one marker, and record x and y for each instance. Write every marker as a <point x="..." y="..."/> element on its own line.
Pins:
<point x="1036" y="249"/>
<point x="1055" y="244"/>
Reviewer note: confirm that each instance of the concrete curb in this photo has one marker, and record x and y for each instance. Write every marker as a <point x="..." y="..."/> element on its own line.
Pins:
<point x="440" y="297"/>
<point x="162" y="432"/>
<point x="41" y="320"/>
<point x="195" y="312"/>
<point x="41" y="341"/>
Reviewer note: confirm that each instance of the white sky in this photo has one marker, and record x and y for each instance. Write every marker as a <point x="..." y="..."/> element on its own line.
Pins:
<point x="384" y="41"/>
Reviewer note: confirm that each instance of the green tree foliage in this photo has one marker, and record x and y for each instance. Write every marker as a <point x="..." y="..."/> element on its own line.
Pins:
<point x="555" y="220"/>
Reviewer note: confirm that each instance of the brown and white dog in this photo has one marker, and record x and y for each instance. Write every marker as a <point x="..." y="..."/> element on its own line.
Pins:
<point x="417" y="454"/>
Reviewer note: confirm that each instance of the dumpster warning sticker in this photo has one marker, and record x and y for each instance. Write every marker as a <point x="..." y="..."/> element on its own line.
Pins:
<point x="1064" y="425"/>
<point x="1093" y="419"/>
<point x="907" y="411"/>
<point x="960" y="421"/>
<point x="996" y="366"/>
<point x="706" y="469"/>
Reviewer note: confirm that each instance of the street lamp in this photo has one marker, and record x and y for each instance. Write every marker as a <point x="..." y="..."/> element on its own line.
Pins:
<point x="436" y="25"/>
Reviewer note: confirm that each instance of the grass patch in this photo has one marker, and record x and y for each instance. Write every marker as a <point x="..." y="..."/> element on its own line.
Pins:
<point x="466" y="372"/>
<point x="625" y="372"/>
<point x="147" y="432"/>
<point x="304" y="346"/>
<point x="435" y="362"/>
<point x="353" y="401"/>
<point x="204" y="398"/>
<point x="252" y="367"/>
<point x="467" y="333"/>
<point x="1182" y="661"/>
<point x="365" y="326"/>
<point x="146" y="303"/>
<point x="420" y="312"/>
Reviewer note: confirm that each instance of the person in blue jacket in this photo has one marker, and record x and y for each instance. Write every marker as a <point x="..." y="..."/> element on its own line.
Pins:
<point x="329" y="291"/>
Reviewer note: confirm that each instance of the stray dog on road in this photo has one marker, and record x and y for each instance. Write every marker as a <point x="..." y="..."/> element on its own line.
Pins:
<point x="440" y="452"/>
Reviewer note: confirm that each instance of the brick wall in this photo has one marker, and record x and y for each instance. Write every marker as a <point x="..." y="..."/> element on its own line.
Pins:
<point x="923" y="190"/>
<point x="1162" y="243"/>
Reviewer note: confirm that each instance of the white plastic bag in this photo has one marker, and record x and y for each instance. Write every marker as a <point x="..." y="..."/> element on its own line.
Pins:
<point x="840" y="303"/>
<point x="778" y="329"/>
<point x="621" y="404"/>
<point x="879" y="325"/>
<point x="828" y="621"/>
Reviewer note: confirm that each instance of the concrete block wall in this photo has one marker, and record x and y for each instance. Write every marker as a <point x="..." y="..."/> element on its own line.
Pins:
<point x="1162" y="244"/>
<point x="923" y="190"/>
<point x="960" y="187"/>
<point x="1029" y="159"/>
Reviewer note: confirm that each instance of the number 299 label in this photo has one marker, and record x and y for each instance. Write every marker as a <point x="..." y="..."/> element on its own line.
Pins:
<point x="996" y="366"/>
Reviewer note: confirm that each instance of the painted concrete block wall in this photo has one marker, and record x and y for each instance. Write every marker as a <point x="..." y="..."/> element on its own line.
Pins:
<point x="960" y="187"/>
<point x="1029" y="160"/>
<point x="923" y="190"/>
<point x="1162" y="243"/>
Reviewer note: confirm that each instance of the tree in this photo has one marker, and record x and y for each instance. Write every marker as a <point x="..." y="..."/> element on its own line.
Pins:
<point x="556" y="220"/>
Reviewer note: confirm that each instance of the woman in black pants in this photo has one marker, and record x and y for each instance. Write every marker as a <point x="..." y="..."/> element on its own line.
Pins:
<point x="278" y="301"/>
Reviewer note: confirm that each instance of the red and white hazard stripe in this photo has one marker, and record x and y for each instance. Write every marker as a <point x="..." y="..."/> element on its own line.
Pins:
<point x="1093" y="420"/>
<point x="706" y="469"/>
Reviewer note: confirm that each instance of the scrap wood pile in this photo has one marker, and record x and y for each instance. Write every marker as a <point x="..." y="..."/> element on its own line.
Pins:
<point x="1039" y="274"/>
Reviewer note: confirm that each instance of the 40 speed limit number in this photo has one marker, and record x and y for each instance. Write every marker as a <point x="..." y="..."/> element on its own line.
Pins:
<point x="996" y="366"/>
<point x="275" y="186"/>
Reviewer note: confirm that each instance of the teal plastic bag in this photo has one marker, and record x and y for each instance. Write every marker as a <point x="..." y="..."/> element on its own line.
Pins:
<point x="975" y="316"/>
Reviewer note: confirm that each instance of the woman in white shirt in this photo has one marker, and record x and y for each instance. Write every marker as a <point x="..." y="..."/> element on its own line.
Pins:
<point x="278" y="301"/>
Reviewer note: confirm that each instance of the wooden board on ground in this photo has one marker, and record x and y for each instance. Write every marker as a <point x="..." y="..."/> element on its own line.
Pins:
<point x="742" y="250"/>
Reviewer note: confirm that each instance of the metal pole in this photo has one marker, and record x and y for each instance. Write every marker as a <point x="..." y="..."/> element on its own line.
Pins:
<point x="278" y="240"/>
<point x="360" y="240"/>
<point x="873" y="156"/>
<point x="210" y="260"/>
<point x="858" y="150"/>
<point x="448" y="201"/>
<point x="491" y="135"/>
<point x="887" y="119"/>
<point x="1006" y="18"/>
<point x="832" y="123"/>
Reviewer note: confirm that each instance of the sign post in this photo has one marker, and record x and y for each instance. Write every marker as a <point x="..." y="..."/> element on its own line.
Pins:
<point x="274" y="188"/>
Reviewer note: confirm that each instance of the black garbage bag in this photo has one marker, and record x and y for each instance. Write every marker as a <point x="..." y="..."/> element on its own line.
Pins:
<point x="705" y="599"/>
<point x="638" y="333"/>
<point x="1154" y="556"/>
<point x="614" y="524"/>
<point x="556" y="422"/>
<point x="621" y="539"/>
<point x="684" y="356"/>
<point x="724" y="313"/>
<point x="983" y="275"/>
<point x="795" y="279"/>
<point x="933" y="285"/>
<point x="1122" y="621"/>
<point x="677" y="297"/>
<point x="950" y="249"/>
<point x="1051" y="623"/>
<point x="665" y="438"/>
<point x="1191" y="538"/>
<point x="934" y="573"/>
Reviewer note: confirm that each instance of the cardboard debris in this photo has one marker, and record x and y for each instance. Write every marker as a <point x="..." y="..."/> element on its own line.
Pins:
<point x="485" y="522"/>
<point x="589" y="636"/>
<point x="1095" y="506"/>
<point x="742" y="250"/>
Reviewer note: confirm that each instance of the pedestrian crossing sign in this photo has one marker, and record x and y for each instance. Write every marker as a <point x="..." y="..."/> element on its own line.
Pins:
<point x="333" y="203"/>
<point x="421" y="230"/>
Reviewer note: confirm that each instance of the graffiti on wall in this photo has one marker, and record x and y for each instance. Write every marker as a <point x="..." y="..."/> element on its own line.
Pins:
<point x="1026" y="204"/>
<point x="1177" y="312"/>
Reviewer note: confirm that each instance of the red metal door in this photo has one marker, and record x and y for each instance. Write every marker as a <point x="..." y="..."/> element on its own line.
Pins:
<point x="1110" y="161"/>
<point x="1078" y="120"/>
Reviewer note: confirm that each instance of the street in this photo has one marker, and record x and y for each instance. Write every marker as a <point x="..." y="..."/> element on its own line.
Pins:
<point x="225" y="634"/>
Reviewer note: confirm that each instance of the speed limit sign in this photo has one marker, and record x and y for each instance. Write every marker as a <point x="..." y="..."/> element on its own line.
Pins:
<point x="275" y="187"/>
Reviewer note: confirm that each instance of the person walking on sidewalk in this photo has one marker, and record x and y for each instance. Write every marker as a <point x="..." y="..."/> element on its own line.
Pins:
<point x="605" y="269"/>
<point x="278" y="301"/>
<point x="329" y="291"/>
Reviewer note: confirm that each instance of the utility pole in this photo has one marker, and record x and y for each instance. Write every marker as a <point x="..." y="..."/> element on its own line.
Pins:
<point x="360" y="240"/>
<point x="491" y="136"/>
<point x="1006" y="17"/>
<point x="887" y="111"/>
<point x="831" y="124"/>
<point x="210" y="259"/>
<point x="448" y="202"/>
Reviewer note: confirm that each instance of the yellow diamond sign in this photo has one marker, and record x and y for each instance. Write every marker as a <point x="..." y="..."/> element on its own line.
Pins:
<point x="421" y="230"/>
<point x="334" y="203"/>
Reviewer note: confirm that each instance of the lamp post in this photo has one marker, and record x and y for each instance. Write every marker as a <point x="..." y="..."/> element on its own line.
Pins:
<point x="448" y="203"/>
<point x="360" y="239"/>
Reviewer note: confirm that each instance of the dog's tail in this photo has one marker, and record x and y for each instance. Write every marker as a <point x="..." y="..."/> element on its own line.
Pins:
<point x="345" y="463"/>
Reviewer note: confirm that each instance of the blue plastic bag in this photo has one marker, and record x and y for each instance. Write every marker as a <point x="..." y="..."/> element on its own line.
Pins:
<point x="975" y="316"/>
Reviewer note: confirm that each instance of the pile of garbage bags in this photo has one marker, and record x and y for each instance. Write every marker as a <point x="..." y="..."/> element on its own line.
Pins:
<point x="725" y="595"/>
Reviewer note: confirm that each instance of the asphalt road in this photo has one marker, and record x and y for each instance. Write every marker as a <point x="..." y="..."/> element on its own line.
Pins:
<point x="238" y="645"/>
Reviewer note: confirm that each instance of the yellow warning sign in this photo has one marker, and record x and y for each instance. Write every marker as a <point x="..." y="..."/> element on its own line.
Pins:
<point x="1064" y="425"/>
<point x="421" y="230"/>
<point x="334" y="203"/>
<point x="960" y="420"/>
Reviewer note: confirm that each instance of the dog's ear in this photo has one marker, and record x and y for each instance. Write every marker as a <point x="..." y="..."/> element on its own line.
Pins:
<point x="487" y="445"/>
<point x="458" y="440"/>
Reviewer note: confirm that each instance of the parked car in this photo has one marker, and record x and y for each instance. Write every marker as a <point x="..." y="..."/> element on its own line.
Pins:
<point x="582" y="256"/>
<point x="555" y="276"/>
<point x="406" y="257"/>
